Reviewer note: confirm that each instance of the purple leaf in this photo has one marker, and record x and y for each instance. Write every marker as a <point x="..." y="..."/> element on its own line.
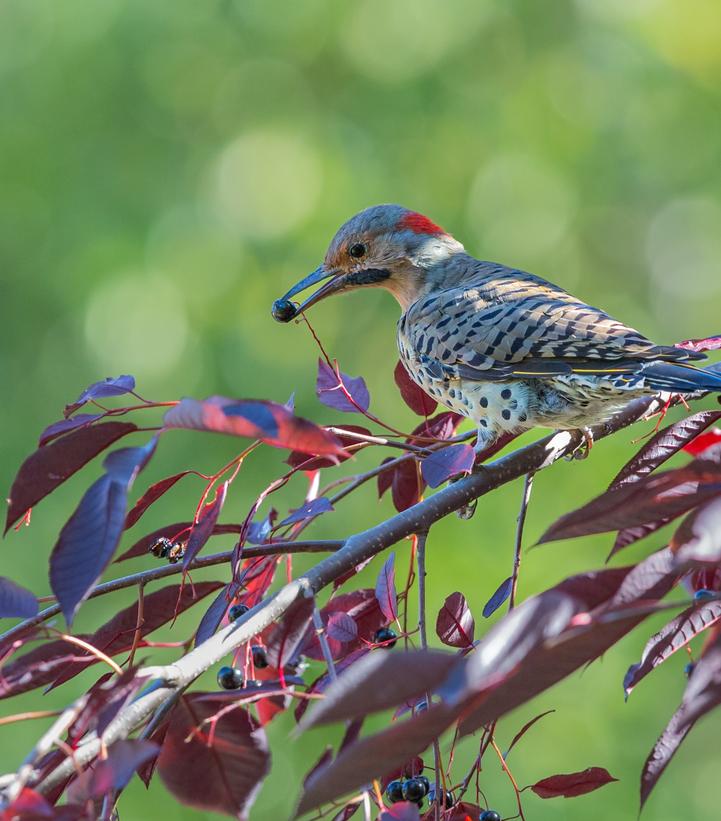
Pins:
<point x="406" y="484"/>
<point x="66" y="425"/>
<point x="386" y="589"/>
<point x="284" y="637"/>
<point x="302" y="460"/>
<point x="111" y="386"/>
<point x="703" y="691"/>
<point x="455" y="625"/>
<point x="221" y="772"/>
<point x="362" y="606"/>
<point x="537" y="644"/>
<point x="413" y="395"/>
<point x="53" y="464"/>
<point x="308" y="511"/>
<point x="573" y="784"/>
<point x="88" y="540"/>
<point x="256" y="419"/>
<point x="151" y="495"/>
<point x="329" y="389"/>
<point x="502" y="593"/>
<point x="202" y="529"/>
<point x="710" y="343"/>
<point x="382" y="752"/>
<point x="631" y="535"/>
<point x="258" y="532"/>
<point x="661" y="754"/>
<point x="402" y="811"/>
<point x="663" y="495"/>
<point x="16" y="601"/>
<point x="379" y="681"/>
<point x="698" y="537"/>
<point x="664" y="445"/>
<point x="341" y="627"/>
<point x="214" y="614"/>
<point x="672" y="637"/>
<point x="115" y="771"/>
<point x="441" y="465"/>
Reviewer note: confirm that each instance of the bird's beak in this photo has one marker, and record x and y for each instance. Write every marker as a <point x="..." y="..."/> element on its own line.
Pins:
<point x="282" y="309"/>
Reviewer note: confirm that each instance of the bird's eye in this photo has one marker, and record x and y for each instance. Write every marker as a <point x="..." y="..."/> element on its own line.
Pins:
<point x="357" y="250"/>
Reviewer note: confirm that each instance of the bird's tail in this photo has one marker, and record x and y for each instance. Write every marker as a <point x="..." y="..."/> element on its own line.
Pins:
<point x="678" y="377"/>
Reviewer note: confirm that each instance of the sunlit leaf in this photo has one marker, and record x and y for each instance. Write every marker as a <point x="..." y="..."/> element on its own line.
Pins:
<point x="573" y="784"/>
<point x="111" y="386"/>
<point x="255" y="419"/>
<point x="455" y="625"/>
<point x="348" y="393"/>
<point x="386" y="588"/>
<point x="441" y="465"/>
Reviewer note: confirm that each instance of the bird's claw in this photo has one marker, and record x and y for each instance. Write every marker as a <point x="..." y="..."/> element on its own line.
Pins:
<point x="582" y="450"/>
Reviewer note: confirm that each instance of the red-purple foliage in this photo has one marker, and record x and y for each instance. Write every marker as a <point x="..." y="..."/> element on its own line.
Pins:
<point x="321" y="658"/>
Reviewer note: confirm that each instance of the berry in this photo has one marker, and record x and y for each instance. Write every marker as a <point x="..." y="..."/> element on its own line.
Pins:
<point x="700" y="595"/>
<point x="385" y="636"/>
<point x="448" y="799"/>
<point x="688" y="669"/>
<point x="237" y="610"/>
<point x="230" y="678"/>
<point x="259" y="657"/>
<point x="489" y="815"/>
<point x="394" y="792"/>
<point x="283" y="310"/>
<point x="421" y="707"/>
<point x="413" y="789"/>
<point x="426" y="783"/>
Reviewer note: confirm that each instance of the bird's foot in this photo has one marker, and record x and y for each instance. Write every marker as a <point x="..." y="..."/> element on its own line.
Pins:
<point x="584" y="447"/>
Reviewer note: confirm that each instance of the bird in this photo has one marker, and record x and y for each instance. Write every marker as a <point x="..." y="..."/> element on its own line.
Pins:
<point x="507" y="349"/>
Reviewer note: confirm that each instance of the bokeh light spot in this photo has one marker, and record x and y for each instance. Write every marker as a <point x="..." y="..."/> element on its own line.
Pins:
<point x="136" y="323"/>
<point x="266" y="183"/>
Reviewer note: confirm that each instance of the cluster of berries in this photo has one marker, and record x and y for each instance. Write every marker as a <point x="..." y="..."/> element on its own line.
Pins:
<point x="416" y="789"/>
<point x="231" y="678"/>
<point x="411" y="789"/>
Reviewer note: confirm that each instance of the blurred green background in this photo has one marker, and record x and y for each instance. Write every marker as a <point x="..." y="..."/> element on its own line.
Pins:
<point x="169" y="168"/>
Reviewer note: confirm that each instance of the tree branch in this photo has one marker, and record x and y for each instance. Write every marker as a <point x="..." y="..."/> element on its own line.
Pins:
<point x="155" y="573"/>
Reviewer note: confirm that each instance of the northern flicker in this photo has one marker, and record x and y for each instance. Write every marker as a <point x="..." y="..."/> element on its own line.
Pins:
<point x="505" y="348"/>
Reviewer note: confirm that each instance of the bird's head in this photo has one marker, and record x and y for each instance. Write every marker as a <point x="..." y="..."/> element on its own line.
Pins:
<point x="385" y="246"/>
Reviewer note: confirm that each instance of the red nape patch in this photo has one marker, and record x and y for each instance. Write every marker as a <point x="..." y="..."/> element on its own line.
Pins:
<point x="419" y="224"/>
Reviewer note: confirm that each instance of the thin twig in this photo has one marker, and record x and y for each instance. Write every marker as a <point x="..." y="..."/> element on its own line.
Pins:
<point x="423" y="635"/>
<point x="322" y="638"/>
<point x="155" y="573"/>
<point x="527" y="488"/>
